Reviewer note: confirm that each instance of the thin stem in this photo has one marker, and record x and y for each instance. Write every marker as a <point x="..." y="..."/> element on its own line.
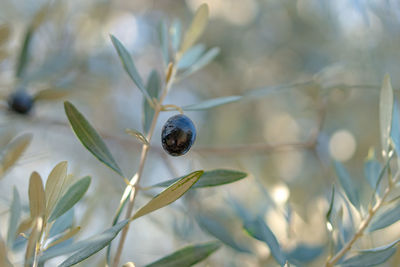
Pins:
<point x="364" y="224"/>
<point x="136" y="178"/>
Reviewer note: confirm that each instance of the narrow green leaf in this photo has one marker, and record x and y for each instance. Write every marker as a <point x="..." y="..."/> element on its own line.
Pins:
<point x="329" y="213"/>
<point x="303" y="253"/>
<point x="89" y="137"/>
<point x="212" y="103"/>
<point x="86" y="248"/>
<point x="164" y="41"/>
<point x="347" y="184"/>
<point x="385" y="113"/>
<point x="187" y="256"/>
<point x="37" y="199"/>
<point x="372" y="169"/>
<point x="24" y="53"/>
<point x="69" y="234"/>
<point x="129" y="66"/>
<point x="15" y="213"/>
<point x="50" y="94"/>
<point x="138" y="135"/>
<point x="55" y="185"/>
<point x="385" y="219"/>
<point x="218" y="229"/>
<point x="70" y="198"/>
<point x="211" y="178"/>
<point x="63" y="222"/>
<point x="260" y="230"/>
<point x="191" y="56"/>
<point x="196" y="28"/>
<point x="153" y="87"/>
<point x="176" y="33"/>
<point x="395" y="129"/>
<point x="371" y="257"/>
<point x="202" y="61"/>
<point x="13" y="151"/>
<point x="170" y="194"/>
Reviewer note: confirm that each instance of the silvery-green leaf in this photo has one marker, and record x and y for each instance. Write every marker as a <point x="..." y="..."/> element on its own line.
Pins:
<point x="371" y="257"/>
<point x="219" y="230"/>
<point x="74" y="193"/>
<point x="191" y="56"/>
<point x="89" y="137"/>
<point x="176" y="32"/>
<point x="164" y="41"/>
<point x="15" y="213"/>
<point x="129" y="66"/>
<point x="211" y="178"/>
<point x="23" y="57"/>
<point x="372" y="169"/>
<point x="170" y="194"/>
<point x="196" y="28"/>
<point x="385" y="112"/>
<point x="86" y="248"/>
<point x="37" y="199"/>
<point x="51" y="94"/>
<point x="62" y="223"/>
<point x="395" y="129"/>
<point x="138" y="135"/>
<point x="13" y="151"/>
<point x="331" y="202"/>
<point x="153" y="87"/>
<point x="55" y="185"/>
<point x="203" y="61"/>
<point x="260" y="230"/>
<point x="347" y="184"/>
<point x="212" y="103"/>
<point x="385" y="219"/>
<point x="303" y="253"/>
<point x="187" y="256"/>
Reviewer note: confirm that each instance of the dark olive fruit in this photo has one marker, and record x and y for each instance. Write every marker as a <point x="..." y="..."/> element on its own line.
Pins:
<point x="20" y="102"/>
<point x="178" y="135"/>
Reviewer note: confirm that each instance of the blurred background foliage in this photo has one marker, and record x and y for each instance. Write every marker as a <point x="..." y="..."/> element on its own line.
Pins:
<point x="311" y="70"/>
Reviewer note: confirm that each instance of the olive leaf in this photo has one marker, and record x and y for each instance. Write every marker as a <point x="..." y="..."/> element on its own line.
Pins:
<point x="260" y="230"/>
<point x="13" y="151"/>
<point x="90" y="246"/>
<point x="191" y="56"/>
<point x="15" y="213"/>
<point x="69" y="234"/>
<point x="50" y="94"/>
<point x="153" y="87"/>
<point x="55" y="185"/>
<point x="70" y="198"/>
<point x="347" y="184"/>
<point x="4" y="260"/>
<point x="212" y="103"/>
<point x="211" y="178"/>
<point x="203" y="61"/>
<point x="170" y="194"/>
<point x="24" y="53"/>
<point x="176" y="32"/>
<point x="129" y="66"/>
<point x="187" y="256"/>
<point x="4" y="33"/>
<point x="371" y="257"/>
<point x="89" y="137"/>
<point x="385" y="113"/>
<point x="196" y="28"/>
<point x="37" y="198"/>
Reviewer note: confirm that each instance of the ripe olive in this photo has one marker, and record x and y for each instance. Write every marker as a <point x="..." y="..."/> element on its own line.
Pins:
<point x="20" y="102"/>
<point x="178" y="135"/>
